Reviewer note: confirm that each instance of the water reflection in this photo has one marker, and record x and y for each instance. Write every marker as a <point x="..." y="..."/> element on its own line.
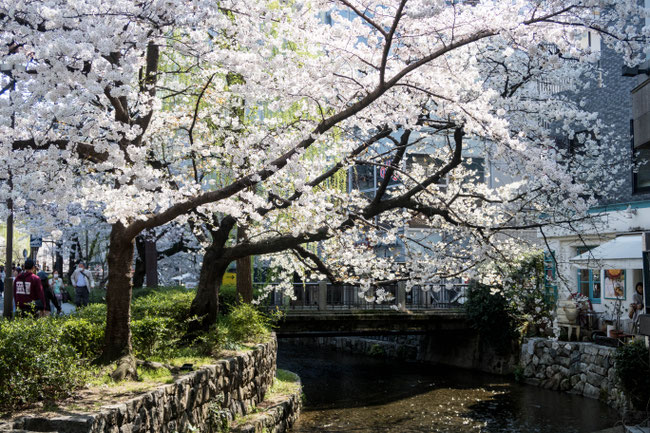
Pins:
<point x="348" y="393"/>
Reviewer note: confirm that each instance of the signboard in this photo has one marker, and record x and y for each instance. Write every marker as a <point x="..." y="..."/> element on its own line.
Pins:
<point x="35" y="242"/>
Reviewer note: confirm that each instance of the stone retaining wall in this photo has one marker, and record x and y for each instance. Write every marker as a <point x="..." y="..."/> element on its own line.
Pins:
<point x="580" y="368"/>
<point x="209" y="399"/>
<point x="277" y="415"/>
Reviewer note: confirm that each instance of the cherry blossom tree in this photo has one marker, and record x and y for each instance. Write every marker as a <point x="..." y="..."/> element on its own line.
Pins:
<point x="245" y="110"/>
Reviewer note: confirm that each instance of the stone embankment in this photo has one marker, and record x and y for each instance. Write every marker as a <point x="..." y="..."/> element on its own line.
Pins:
<point x="585" y="369"/>
<point x="208" y="399"/>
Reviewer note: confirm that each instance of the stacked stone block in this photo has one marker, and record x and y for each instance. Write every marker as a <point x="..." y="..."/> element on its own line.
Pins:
<point x="207" y="399"/>
<point x="585" y="369"/>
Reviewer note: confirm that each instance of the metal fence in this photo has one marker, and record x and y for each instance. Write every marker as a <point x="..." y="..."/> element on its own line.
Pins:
<point x="342" y="297"/>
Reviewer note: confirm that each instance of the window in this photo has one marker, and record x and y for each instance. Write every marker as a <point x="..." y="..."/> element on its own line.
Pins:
<point x="589" y="284"/>
<point x="427" y="163"/>
<point x="363" y="177"/>
<point x="549" y="276"/>
<point x="641" y="171"/>
<point x="475" y="165"/>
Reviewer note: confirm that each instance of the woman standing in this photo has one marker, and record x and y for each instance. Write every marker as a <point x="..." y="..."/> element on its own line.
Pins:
<point x="636" y="308"/>
<point x="56" y="283"/>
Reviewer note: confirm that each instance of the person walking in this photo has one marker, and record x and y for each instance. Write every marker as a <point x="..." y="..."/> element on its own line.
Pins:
<point x="28" y="292"/>
<point x="50" y="297"/>
<point x="82" y="280"/>
<point x="56" y="282"/>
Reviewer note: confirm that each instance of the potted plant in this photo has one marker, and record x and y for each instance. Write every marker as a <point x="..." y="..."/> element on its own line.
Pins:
<point x="577" y="304"/>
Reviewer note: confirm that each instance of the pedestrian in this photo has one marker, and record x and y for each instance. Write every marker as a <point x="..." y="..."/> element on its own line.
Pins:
<point x="50" y="297"/>
<point x="28" y="292"/>
<point x="82" y="280"/>
<point x="56" y="282"/>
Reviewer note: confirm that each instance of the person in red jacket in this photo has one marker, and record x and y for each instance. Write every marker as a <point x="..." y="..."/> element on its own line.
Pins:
<point x="28" y="292"/>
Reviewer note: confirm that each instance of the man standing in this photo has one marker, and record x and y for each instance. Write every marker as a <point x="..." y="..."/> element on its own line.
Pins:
<point x="82" y="280"/>
<point x="28" y="292"/>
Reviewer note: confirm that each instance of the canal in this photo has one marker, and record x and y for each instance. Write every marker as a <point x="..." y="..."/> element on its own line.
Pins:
<point x="350" y="393"/>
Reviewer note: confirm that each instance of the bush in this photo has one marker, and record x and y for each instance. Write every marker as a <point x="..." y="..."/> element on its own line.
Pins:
<point x="227" y="298"/>
<point x="85" y="336"/>
<point x="633" y="369"/>
<point x="37" y="362"/>
<point x="94" y="313"/>
<point x="153" y="335"/>
<point x="171" y="303"/>
<point x="246" y="324"/>
<point x="490" y="314"/>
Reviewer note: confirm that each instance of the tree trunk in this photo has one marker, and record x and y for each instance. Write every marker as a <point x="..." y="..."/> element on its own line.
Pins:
<point x="205" y="305"/>
<point x="58" y="263"/>
<point x="117" y="341"/>
<point x="244" y="277"/>
<point x="73" y="258"/>
<point x="151" y="262"/>
<point x="140" y="269"/>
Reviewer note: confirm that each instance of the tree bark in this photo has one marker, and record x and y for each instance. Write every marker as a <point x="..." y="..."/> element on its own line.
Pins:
<point x="73" y="258"/>
<point x="244" y="277"/>
<point x="205" y="305"/>
<point x="151" y="262"/>
<point x="140" y="269"/>
<point x="58" y="263"/>
<point x="117" y="340"/>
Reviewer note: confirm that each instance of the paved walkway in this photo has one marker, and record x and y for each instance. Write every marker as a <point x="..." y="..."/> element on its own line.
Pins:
<point x="66" y="307"/>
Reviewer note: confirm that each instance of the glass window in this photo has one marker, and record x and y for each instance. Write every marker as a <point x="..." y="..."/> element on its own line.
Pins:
<point x="549" y="274"/>
<point x="595" y="294"/>
<point x="363" y="177"/>
<point x="589" y="284"/>
<point x="476" y="165"/>
<point x="429" y="165"/>
<point x="584" y="281"/>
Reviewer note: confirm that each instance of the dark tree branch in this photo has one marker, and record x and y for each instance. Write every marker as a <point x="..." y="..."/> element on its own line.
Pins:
<point x="320" y="265"/>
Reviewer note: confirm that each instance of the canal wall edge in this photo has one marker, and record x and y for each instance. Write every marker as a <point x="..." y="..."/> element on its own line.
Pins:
<point x="586" y="369"/>
<point x="458" y="348"/>
<point x="276" y="416"/>
<point x="210" y="398"/>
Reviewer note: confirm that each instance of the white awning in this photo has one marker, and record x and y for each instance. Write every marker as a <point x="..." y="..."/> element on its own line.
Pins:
<point x="623" y="252"/>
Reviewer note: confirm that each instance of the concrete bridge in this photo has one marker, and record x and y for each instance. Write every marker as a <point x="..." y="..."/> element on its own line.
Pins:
<point x="362" y="323"/>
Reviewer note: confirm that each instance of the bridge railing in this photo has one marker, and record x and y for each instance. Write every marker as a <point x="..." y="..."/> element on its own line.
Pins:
<point x="321" y="296"/>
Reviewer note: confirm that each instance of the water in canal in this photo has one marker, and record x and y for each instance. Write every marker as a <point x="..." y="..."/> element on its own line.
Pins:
<point x="348" y="393"/>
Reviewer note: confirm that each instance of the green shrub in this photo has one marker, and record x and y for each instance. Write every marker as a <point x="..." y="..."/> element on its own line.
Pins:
<point x="633" y="369"/>
<point x="246" y="324"/>
<point x="490" y="314"/>
<point x="85" y="336"/>
<point x="94" y="313"/>
<point x="227" y="298"/>
<point x="171" y="303"/>
<point x="153" y="335"/>
<point x="36" y="362"/>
